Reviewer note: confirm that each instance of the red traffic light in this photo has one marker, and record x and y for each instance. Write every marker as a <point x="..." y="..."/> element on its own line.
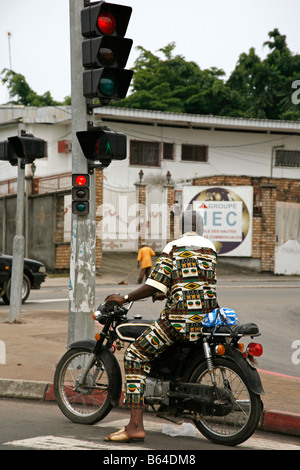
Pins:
<point x="80" y="194"/>
<point x="106" y="23"/>
<point x="102" y="18"/>
<point x="80" y="180"/>
<point x="105" y="51"/>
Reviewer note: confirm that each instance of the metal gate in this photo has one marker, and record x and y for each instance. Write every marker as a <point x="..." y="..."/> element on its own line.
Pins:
<point x="119" y="224"/>
<point x="156" y="226"/>
<point x="287" y="250"/>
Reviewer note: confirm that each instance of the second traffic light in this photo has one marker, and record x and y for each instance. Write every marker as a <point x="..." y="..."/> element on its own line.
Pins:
<point x="25" y="147"/>
<point x="105" y="51"/>
<point x="80" y="194"/>
<point x="103" y="145"/>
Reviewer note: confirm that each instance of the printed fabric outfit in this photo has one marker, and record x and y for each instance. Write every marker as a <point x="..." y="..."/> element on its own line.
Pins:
<point x="186" y="273"/>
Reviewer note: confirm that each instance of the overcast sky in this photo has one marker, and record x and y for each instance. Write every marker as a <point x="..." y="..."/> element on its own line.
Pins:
<point x="212" y="33"/>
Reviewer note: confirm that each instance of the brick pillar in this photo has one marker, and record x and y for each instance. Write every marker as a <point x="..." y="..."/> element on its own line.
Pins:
<point x="62" y="249"/>
<point x="268" y="198"/>
<point x="141" y="188"/>
<point x="170" y="211"/>
<point x="99" y="215"/>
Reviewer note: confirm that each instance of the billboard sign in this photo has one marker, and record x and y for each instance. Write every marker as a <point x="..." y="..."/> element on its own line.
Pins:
<point x="227" y="213"/>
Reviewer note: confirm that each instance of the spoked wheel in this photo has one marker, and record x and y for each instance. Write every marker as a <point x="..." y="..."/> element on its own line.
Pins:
<point x="237" y="410"/>
<point x="87" y="403"/>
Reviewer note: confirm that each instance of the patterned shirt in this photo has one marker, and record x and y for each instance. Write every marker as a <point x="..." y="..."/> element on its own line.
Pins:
<point x="186" y="273"/>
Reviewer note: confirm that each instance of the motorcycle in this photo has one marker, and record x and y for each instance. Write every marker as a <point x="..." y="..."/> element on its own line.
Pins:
<point x="212" y="381"/>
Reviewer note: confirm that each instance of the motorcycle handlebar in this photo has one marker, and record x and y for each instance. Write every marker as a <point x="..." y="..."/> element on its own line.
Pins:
<point x="111" y="307"/>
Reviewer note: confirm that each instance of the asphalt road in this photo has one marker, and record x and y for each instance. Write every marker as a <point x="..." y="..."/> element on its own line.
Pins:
<point x="31" y="425"/>
<point x="273" y="306"/>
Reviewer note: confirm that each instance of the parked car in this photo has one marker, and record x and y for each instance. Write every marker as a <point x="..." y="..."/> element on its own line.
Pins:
<point x="34" y="275"/>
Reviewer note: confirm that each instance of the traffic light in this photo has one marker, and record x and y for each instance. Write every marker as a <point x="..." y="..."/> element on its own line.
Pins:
<point x="7" y="153"/>
<point x="102" y="144"/>
<point x="80" y="194"/>
<point x="26" y="147"/>
<point x="105" y="51"/>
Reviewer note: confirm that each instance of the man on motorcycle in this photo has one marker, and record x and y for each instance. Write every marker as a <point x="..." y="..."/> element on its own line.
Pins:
<point x="184" y="275"/>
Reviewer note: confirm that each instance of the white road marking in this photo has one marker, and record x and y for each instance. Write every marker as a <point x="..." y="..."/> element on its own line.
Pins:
<point x="46" y="301"/>
<point x="66" y="443"/>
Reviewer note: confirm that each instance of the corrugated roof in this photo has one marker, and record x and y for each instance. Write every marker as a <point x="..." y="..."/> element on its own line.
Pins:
<point x="54" y="114"/>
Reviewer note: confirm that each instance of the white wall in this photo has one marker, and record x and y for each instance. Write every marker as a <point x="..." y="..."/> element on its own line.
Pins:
<point x="230" y="152"/>
<point x="236" y="153"/>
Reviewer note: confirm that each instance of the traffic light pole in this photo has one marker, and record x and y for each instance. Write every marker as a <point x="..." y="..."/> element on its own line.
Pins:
<point x="18" y="251"/>
<point x="83" y="238"/>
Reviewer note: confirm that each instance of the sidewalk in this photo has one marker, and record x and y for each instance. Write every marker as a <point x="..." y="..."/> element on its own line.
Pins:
<point x="34" y="347"/>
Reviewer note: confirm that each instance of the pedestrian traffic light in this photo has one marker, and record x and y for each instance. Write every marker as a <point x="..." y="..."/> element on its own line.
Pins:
<point x="102" y="144"/>
<point x="105" y="51"/>
<point x="26" y="147"/>
<point x="80" y="194"/>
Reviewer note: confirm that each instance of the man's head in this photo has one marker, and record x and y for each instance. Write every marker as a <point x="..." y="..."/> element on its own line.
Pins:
<point x="191" y="221"/>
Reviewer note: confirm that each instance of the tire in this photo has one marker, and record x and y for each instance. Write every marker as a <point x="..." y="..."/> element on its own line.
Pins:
<point x="25" y="290"/>
<point x="84" y="405"/>
<point x="243" y="413"/>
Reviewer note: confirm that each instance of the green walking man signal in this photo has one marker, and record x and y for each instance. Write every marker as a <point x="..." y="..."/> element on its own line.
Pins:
<point x="100" y="144"/>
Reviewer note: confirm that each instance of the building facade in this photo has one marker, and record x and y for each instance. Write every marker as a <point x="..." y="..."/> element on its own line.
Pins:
<point x="242" y="174"/>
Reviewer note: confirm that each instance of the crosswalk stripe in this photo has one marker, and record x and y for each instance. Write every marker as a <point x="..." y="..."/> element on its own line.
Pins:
<point x="67" y="443"/>
<point x="259" y="442"/>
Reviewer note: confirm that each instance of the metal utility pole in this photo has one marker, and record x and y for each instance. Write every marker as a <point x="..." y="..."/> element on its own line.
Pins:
<point x="83" y="238"/>
<point x="9" y="49"/>
<point x="18" y="252"/>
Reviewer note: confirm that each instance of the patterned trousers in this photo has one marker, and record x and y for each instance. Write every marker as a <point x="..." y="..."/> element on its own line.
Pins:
<point x="139" y="355"/>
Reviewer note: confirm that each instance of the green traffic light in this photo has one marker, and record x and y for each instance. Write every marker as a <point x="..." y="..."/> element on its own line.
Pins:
<point x="80" y="207"/>
<point x="107" y="85"/>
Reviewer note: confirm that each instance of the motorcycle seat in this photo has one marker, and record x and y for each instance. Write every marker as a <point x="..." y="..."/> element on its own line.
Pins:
<point x="132" y="329"/>
<point x="245" y="329"/>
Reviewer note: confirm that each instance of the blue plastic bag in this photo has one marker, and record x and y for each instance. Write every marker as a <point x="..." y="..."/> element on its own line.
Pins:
<point x="218" y="317"/>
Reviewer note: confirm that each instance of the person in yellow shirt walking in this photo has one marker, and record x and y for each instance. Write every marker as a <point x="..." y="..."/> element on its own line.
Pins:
<point x="145" y="258"/>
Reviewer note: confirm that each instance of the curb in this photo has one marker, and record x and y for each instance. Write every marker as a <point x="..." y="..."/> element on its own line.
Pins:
<point x="272" y="420"/>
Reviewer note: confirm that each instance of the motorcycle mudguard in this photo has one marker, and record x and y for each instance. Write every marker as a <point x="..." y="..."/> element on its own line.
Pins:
<point x="113" y="368"/>
<point x="250" y="372"/>
<point x="83" y="343"/>
<point x="235" y="356"/>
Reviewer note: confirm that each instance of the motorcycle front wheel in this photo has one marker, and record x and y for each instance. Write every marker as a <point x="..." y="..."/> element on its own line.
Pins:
<point x="239" y="410"/>
<point x="87" y="403"/>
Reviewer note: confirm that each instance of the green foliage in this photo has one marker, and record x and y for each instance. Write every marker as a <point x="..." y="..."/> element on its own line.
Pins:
<point x="255" y="89"/>
<point x="23" y="94"/>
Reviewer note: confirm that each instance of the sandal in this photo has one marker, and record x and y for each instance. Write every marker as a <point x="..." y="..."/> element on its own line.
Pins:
<point x="122" y="436"/>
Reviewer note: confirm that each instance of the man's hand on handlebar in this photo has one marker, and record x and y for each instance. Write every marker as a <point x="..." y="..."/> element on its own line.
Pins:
<point x="140" y="293"/>
<point x="119" y="299"/>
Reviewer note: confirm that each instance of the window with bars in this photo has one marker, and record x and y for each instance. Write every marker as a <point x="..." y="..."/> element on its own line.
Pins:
<point x="168" y="151"/>
<point x="150" y="153"/>
<point x="194" y="153"/>
<point x="144" y="153"/>
<point x="287" y="158"/>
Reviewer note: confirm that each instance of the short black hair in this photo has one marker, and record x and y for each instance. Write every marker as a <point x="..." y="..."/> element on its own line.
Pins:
<point x="191" y="221"/>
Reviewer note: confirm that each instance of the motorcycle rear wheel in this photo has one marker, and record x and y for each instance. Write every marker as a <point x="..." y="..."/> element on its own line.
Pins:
<point x="240" y="422"/>
<point x="88" y="403"/>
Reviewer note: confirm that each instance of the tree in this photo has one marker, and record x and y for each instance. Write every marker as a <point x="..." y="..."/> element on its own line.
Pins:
<point x="175" y="85"/>
<point x="23" y="94"/>
<point x="255" y="89"/>
<point x="265" y="86"/>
